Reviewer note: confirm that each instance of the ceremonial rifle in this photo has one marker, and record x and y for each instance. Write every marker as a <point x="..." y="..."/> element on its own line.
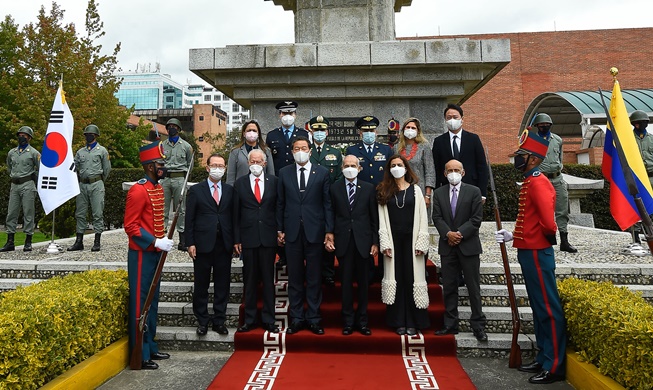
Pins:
<point x="515" y="350"/>
<point x="137" y="352"/>
<point x="628" y="175"/>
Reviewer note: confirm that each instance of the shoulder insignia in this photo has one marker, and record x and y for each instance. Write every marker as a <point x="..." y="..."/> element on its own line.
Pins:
<point x="142" y="181"/>
<point x="537" y="173"/>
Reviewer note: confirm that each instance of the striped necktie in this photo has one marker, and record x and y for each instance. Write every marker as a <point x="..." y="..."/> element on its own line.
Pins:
<point x="351" y="195"/>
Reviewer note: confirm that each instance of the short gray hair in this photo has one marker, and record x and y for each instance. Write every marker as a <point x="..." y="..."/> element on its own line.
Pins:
<point x="262" y="153"/>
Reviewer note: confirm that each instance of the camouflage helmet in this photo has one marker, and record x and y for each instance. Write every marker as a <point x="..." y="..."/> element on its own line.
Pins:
<point x="27" y="130"/>
<point x="541" y="118"/>
<point x="174" y="121"/>
<point x="638" y="115"/>
<point x="92" y="129"/>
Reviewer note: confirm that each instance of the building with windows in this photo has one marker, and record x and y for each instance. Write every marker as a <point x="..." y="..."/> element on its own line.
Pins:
<point x="236" y="114"/>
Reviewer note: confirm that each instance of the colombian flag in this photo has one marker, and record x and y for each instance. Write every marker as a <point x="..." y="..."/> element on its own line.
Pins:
<point x="622" y="203"/>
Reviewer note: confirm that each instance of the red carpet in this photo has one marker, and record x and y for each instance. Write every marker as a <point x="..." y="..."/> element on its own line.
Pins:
<point x="384" y="360"/>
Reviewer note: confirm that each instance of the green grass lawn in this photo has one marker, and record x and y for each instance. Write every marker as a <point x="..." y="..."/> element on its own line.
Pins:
<point x="19" y="238"/>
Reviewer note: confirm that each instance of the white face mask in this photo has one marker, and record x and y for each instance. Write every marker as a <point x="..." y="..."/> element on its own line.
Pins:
<point x="301" y="157"/>
<point x="410" y="133"/>
<point x="454" y="124"/>
<point x="256" y="169"/>
<point x="251" y="136"/>
<point x="397" y="172"/>
<point x="287" y="120"/>
<point x="216" y="173"/>
<point x="454" y="178"/>
<point x="350" y="172"/>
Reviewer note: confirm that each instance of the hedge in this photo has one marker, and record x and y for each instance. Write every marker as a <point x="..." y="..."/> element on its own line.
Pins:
<point x="612" y="328"/>
<point x="505" y="177"/>
<point x="48" y="327"/>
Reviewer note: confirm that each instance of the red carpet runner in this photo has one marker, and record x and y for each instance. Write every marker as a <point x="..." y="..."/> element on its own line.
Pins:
<point x="332" y="361"/>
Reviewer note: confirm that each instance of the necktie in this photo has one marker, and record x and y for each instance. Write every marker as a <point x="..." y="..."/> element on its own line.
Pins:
<point x="454" y="200"/>
<point x="287" y="133"/>
<point x="216" y="196"/>
<point x="257" y="190"/>
<point x="319" y="149"/>
<point x="351" y="195"/>
<point x="456" y="152"/>
<point x="302" y="179"/>
<point x="369" y="150"/>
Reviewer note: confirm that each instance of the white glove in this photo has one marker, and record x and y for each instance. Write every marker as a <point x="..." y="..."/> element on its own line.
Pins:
<point x="502" y="236"/>
<point x="165" y="244"/>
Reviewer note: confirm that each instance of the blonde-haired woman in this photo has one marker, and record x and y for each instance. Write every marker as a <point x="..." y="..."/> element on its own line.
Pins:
<point x="416" y="149"/>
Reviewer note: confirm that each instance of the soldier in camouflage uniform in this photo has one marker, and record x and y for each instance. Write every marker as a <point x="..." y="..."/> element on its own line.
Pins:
<point x="93" y="167"/>
<point x="178" y="160"/>
<point x="551" y="167"/>
<point x="22" y="166"/>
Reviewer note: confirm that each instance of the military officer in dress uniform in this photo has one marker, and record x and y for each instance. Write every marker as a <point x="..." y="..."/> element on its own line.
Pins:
<point x="330" y="158"/>
<point x="280" y="139"/>
<point x="145" y="229"/>
<point x="534" y="234"/>
<point x="372" y="155"/>
<point x="551" y="167"/>
<point x="179" y="159"/>
<point x="93" y="167"/>
<point x="22" y="167"/>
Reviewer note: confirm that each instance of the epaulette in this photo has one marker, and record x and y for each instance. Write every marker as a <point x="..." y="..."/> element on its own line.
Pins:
<point x="537" y="173"/>
<point x="142" y="181"/>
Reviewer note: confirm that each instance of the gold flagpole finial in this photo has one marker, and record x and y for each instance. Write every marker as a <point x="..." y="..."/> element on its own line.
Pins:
<point x="614" y="72"/>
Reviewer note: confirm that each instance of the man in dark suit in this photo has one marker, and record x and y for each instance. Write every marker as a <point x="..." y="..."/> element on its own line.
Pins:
<point x="356" y="239"/>
<point x="457" y="214"/>
<point x="304" y="225"/>
<point x="255" y="205"/>
<point x="463" y="146"/>
<point x="210" y="240"/>
<point x="280" y="139"/>
<point x="372" y="155"/>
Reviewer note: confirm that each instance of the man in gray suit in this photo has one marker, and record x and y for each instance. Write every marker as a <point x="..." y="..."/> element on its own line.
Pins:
<point x="457" y="214"/>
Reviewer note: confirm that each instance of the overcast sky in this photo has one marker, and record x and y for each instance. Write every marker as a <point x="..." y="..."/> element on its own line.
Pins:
<point x="163" y="31"/>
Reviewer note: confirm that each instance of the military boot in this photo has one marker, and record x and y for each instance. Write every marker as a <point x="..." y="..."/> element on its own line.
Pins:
<point x="28" y="243"/>
<point x="182" y="243"/>
<point x="9" y="246"/>
<point x="96" y="243"/>
<point x="565" y="245"/>
<point x="79" y="243"/>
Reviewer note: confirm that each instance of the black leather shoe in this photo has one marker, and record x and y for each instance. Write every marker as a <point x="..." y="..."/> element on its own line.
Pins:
<point x="201" y="330"/>
<point x="446" y="330"/>
<point x="159" y="356"/>
<point x="221" y="329"/>
<point x="545" y="377"/>
<point x="347" y="330"/>
<point x="329" y="282"/>
<point x="272" y="328"/>
<point x="533" y="367"/>
<point x="365" y="331"/>
<point x="316" y="329"/>
<point x="246" y="328"/>
<point x="281" y="263"/>
<point x="480" y="335"/>
<point x="401" y="331"/>
<point x="294" y="328"/>
<point x="148" y="365"/>
<point x="411" y="331"/>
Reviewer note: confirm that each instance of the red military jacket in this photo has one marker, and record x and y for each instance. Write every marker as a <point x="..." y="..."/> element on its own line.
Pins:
<point x="144" y="215"/>
<point x="536" y="217"/>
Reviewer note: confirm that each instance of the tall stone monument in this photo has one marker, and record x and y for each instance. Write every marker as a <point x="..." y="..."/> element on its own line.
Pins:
<point x="346" y="62"/>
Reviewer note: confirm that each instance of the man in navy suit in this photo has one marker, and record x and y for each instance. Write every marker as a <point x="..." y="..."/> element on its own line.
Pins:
<point x="356" y="239"/>
<point x="280" y="139"/>
<point x="372" y="155"/>
<point x="210" y="240"/>
<point x="304" y="226"/>
<point x="457" y="214"/>
<point x="255" y="205"/>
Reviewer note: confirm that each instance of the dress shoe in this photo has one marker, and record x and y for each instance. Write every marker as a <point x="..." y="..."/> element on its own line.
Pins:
<point x="272" y="328"/>
<point x="221" y="329"/>
<point x="316" y="329"/>
<point x="246" y="328"/>
<point x="401" y="331"/>
<point x="159" y="356"/>
<point x="545" y="377"/>
<point x="294" y="328"/>
<point x="329" y="282"/>
<point x="533" y="367"/>
<point x="201" y="330"/>
<point x="365" y="331"/>
<point x="281" y="263"/>
<point x="347" y="330"/>
<point x="480" y="335"/>
<point x="411" y="331"/>
<point x="446" y="330"/>
<point x="149" y="365"/>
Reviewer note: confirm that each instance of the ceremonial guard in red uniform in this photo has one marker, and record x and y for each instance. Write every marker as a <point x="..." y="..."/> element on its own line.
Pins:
<point x="144" y="227"/>
<point x="534" y="237"/>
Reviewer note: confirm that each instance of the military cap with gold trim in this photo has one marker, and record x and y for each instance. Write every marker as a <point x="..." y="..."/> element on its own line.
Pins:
<point x="152" y="152"/>
<point x="319" y="123"/>
<point x="367" y="123"/>
<point x="531" y="143"/>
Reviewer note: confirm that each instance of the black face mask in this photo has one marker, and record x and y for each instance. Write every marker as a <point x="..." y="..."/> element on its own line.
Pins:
<point x="173" y="132"/>
<point x="22" y="140"/>
<point x="161" y="172"/>
<point x="642" y="125"/>
<point x="544" y="130"/>
<point x="392" y="136"/>
<point x="520" y="162"/>
<point x="90" y="138"/>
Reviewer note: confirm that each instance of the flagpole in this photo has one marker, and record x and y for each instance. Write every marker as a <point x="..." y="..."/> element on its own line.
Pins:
<point x="53" y="247"/>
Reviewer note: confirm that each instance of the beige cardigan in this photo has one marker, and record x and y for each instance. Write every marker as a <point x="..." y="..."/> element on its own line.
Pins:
<point x="420" y="242"/>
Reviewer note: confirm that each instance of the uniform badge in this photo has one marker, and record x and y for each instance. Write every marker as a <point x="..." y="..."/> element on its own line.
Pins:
<point x="379" y="157"/>
<point x="274" y="151"/>
<point x="142" y="181"/>
<point x="537" y="173"/>
<point x="330" y="157"/>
